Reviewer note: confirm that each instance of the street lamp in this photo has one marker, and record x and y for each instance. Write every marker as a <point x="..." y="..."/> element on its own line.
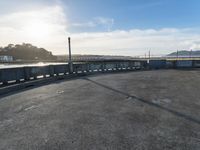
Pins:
<point x="70" y="57"/>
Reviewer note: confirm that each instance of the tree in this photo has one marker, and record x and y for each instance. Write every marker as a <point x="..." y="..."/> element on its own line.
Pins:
<point x="27" y="51"/>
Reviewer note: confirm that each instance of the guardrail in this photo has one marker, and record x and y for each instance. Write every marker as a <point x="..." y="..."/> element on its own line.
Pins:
<point x="23" y="74"/>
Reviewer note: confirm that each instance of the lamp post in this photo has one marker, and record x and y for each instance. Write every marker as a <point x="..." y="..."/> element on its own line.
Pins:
<point x="70" y="57"/>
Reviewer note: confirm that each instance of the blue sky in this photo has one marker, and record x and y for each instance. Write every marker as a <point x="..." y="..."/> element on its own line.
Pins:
<point x="140" y="14"/>
<point x="114" y="27"/>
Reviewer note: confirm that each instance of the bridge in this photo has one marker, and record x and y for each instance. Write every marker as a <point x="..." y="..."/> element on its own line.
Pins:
<point x="101" y="105"/>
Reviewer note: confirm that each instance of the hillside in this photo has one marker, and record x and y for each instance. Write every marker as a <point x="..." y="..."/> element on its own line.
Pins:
<point x="186" y="53"/>
<point x="26" y="52"/>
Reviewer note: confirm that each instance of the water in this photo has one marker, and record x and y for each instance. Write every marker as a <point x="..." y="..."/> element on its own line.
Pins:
<point x="2" y="66"/>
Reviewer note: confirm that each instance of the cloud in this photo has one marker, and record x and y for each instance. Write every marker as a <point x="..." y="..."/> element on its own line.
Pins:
<point x="106" y="23"/>
<point x="44" y="28"/>
<point x="49" y="28"/>
<point x="136" y="41"/>
<point x="85" y="24"/>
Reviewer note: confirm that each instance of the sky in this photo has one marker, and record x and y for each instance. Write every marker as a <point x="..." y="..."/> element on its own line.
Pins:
<point x="103" y="27"/>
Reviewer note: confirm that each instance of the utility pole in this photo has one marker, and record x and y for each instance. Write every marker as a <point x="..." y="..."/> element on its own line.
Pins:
<point x="70" y="57"/>
<point x="149" y="54"/>
<point x="191" y="53"/>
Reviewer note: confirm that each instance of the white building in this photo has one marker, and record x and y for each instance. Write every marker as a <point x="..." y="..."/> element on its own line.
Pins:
<point x="4" y="58"/>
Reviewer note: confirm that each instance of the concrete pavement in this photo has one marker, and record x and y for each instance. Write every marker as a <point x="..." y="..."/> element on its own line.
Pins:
<point x="147" y="110"/>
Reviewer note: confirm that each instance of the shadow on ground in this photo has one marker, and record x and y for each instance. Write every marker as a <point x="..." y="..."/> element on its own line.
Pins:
<point x="174" y="112"/>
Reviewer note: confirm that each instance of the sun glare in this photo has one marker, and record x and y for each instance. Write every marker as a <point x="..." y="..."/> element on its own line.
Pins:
<point x="38" y="30"/>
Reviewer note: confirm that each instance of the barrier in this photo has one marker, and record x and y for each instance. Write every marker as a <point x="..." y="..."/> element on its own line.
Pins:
<point x="9" y="75"/>
<point x="24" y="74"/>
<point x="196" y="63"/>
<point x="184" y="64"/>
<point x="157" y="64"/>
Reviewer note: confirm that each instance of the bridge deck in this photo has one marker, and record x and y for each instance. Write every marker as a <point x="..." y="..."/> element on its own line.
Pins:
<point x="137" y="110"/>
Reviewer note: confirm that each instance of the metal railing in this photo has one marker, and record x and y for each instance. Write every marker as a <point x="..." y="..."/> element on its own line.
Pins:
<point x="23" y="74"/>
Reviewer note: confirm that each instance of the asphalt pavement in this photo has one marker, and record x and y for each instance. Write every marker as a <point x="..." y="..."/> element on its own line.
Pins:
<point x="144" y="110"/>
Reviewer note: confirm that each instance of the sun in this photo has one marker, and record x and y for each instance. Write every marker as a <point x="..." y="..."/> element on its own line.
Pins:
<point x="38" y="29"/>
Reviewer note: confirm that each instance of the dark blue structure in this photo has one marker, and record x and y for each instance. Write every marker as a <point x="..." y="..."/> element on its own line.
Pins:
<point x="157" y="64"/>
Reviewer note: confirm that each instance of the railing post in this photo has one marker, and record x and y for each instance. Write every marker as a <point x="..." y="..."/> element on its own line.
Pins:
<point x="26" y="73"/>
<point x="51" y="70"/>
<point x="104" y="66"/>
<point x="87" y="67"/>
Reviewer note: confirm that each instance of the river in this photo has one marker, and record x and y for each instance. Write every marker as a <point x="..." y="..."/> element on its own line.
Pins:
<point x="2" y="66"/>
